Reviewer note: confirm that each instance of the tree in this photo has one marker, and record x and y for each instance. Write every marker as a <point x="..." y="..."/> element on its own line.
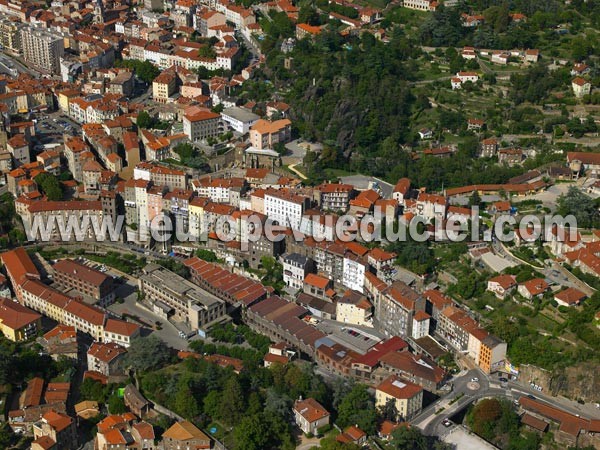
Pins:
<point x="186" y="404"/>
<point x="389" y="410"/>
<point x="405" y="438"/>
<point x="145" y="70"/>
<point x="582" y="207"/>
<point x="206" y="255"/>
<point x="273" y="273"/>
<point x="475" y="199"/>
<point x="207" y="52"/>
<point x="309" y="15"/>
<point x="144" y="120"/>
<point x="93" y="390"/>
<point x="278" y="404"/>
<point x="6" y="435"/>
<point x="358" y="408"/>
<point x="184" y="150"/>
<point x="251" y="433"/>
<point x="50" y="185"/>
<point x="116" y="405"/>
<point x="147" y="353"/>
<point x="232" y="405"/>
<point x="212" y="402"/>
<point x="483" y="416"/>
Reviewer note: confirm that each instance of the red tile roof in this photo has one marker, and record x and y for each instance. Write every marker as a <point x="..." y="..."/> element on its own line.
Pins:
<point x="399" y="388"/>
<point x="316" y="281"/>
<point x="15" y="316"/>
<point x="571" y="296"/>
<point x="106" y="352"/>
<point x="19" y="265"/>
<point x="121" y="327"/>
<point x="80" y="271"/>
<point x="310" y="409"/>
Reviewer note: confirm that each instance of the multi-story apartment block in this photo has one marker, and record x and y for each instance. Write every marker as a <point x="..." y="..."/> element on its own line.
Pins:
<point x="10" y="35"/>
<point x="91" y="283"/>
<point x="285" y="207"/>
<point x="19" y="149"/>
<point x="63" y="309"/>
<point x="414" y="368"/>
<point x="431" y="206"/>
<point x="186" y="302"/>
<point x="239" y="119"/>
<point x="220" y="190"/>
<point x="489" y="147"/>
<point x="421" y="5"/>
<point x="75" y="152"/>
<point x="160" y="175"/>
<point x="18" y="323"/>
<point x="207" y="19"/>
<point x="407" y="396"/>
<point x="120" y="332"/>
<point x="395" y="308"/>
<point x="177" y="202"/>
<point x="201" y="125"/>
<point x="354" y="272"/>
<point x="335" y="196"/>
<point x="57" y="214"/>
<point x="163" y="86"/>
<point x="295" y="269"/>
<point x="106" y="358"/>
<point x="42" y="49"/>
<point x="265" y="134"/>
<point x="354" y="308"/>
<point x="57" y="429"/>
<point x="455" y="326"/>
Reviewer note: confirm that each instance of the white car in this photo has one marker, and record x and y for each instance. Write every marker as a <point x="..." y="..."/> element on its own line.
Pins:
<point x="474" y="379"/>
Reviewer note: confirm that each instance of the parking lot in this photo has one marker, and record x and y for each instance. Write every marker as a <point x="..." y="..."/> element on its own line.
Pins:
<point x="127" y="290"/>
<point x="56" y="124"/>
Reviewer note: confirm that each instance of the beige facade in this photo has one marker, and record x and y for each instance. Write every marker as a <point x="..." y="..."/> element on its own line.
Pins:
<point x="42" y="49"/>
<point x="407" y="396"/>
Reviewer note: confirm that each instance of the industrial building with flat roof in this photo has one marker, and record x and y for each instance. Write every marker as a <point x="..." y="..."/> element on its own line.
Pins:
<point x="189" y="303"/>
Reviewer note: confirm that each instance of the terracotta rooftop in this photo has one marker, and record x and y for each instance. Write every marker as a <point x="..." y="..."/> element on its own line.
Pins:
<point x="399" y="388"/>
<point x="184" y="431"/>
<point x="106" y="352"/>
<point x="310" y="409"/>
<point x="15" y="316"/>
<point x="80" y="271"/>
<point x="121" y="327"/>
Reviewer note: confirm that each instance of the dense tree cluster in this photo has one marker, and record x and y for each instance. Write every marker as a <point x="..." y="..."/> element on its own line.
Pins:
<point x="496" y="421"/>
<point x="144" y="70"/>
<point x="581" y="206"/>
<point x="50" y="186"/>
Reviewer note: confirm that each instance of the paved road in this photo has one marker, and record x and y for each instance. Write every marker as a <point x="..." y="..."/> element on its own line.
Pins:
<point x="168" y="332"/>
<point x="488" y="386"/>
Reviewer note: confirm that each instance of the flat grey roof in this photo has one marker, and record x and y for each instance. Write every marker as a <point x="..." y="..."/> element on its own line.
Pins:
<point x="178" y="286"/>
<point x="240" y="114"/>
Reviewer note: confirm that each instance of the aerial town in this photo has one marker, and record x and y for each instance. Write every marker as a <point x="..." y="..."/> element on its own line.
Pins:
<point x="293" y="224"/>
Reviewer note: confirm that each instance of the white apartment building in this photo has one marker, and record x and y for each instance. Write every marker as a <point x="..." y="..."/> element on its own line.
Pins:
<point x="295" y="269"/>
<point x="42" y="48"/>
<point x="219" y="190"/>
<point x="467" y="76"/>
<point x="421" y="5"/>
<point x="201" y="125"/>
<point x="420" y="325"/>
<point x="431" y="206"/>
<point x="354" y="308"/>
<point x="285" y="207"/>
<point x="354" y="272"/>
<point x="239" y="119"/>
<point x="407" y="396"/>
